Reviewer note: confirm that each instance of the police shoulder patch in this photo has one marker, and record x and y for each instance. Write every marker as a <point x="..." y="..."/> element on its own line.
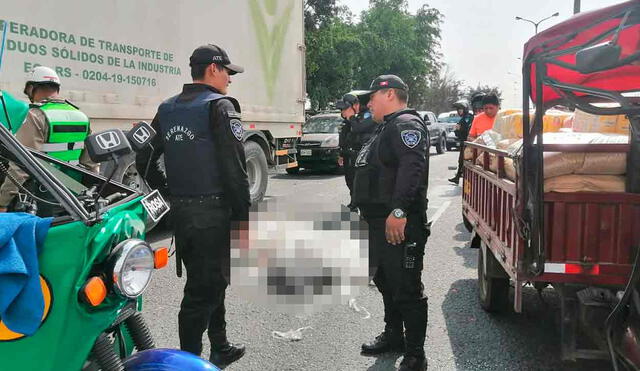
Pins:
<point x="410" y="138"/>
<point x="234" y="115"/>
<point x="236" y="129"/>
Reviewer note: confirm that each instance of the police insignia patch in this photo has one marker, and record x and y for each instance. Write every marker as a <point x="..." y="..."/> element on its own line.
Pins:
<point x="237" y="129"/>
<point x="410" y="138"/>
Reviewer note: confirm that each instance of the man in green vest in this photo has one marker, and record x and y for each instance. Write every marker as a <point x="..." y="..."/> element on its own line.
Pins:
<point x="53" y="125"/>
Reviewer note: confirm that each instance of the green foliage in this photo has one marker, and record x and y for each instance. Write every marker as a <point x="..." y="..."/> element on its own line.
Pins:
<point x="332" y="53"/>
<point x="342" y="55"/>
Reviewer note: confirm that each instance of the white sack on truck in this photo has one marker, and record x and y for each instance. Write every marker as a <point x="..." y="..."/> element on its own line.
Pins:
<point x="565" y="163"/>
<point x="585" y="183"/>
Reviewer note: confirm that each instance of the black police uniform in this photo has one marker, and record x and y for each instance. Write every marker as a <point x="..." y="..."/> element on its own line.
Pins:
<point x="200" y="135"/>
<point x="392" y="172"/>
<point x="462" y="134"/>
<point x="356" y="131"/>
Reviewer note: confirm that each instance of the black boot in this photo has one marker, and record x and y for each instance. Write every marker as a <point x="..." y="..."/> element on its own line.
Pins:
<point x="413" y="363"/>
<point x="387" y="341"/>
<point x="455" y="180"/>
<point x="226" y="354"/>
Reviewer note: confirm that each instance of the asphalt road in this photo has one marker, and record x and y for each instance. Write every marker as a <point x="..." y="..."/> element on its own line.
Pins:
<point x="461" y="336"/>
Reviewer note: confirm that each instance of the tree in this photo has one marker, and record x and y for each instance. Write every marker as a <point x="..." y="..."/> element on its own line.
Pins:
<point x="318" y="13"/>
<point x="332" y="53"/>
<point x="342" y="55"/>
<point x="442" y="92"/>
<point x="399" y="43"/>
<point x="331" y="50"/>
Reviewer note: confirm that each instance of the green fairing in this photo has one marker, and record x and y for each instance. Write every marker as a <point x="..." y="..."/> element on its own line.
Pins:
<point x="64" y="340"/>
<point x="17" y="110"/>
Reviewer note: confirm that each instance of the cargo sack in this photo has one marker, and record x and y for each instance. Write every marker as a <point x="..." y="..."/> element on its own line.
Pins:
<point x="585" y="183"/>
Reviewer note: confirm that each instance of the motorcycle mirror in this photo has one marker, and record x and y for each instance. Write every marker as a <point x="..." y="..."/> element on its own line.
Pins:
<point x="141" y="135"/>
<point x="107" y="145"/>
<point x="598" y="57"/>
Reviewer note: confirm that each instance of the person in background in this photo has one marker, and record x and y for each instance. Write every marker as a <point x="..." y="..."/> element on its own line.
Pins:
<point x="485" y="120"/>
<point x="462" y="132"/>
<point x="53" y="125"/>
<point x="476" y="103"/>
<point x="357" y="130"/>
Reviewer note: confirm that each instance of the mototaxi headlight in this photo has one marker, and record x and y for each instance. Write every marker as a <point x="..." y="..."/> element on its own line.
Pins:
<point x="332" y="141"/>
<point x="133" y="266"/>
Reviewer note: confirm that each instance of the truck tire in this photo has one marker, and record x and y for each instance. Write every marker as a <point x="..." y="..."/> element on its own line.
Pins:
<point x="467" y="223"/>
<point x="257" y="170"/>
<point x="441" y="145"/>
<point x="493" y="292"/>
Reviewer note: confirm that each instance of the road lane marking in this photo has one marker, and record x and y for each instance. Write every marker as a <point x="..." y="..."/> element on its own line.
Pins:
<point x="439" y="213"/>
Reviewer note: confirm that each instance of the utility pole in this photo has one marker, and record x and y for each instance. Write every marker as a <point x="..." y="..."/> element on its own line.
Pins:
<point x="576" y="6"/>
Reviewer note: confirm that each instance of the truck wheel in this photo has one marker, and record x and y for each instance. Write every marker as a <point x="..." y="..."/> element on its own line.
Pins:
<point x="493" y="292"/>
<point x="256" y="170"/>
<point x="441" y="146"/>
<point x="467" y="223"/>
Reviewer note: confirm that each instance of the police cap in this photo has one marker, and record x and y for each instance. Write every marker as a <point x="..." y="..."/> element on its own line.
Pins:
<point x="207" y="54"/>
<point x="387" y="82"/>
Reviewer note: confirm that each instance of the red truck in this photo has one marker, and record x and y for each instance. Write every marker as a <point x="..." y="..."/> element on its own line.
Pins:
<point x="583" y="244"/>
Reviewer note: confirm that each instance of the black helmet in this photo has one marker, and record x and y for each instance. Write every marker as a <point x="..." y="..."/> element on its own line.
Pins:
<point x="348" y="100"/>
<point x="461" y="104"/>
<point x="476" y="101"/>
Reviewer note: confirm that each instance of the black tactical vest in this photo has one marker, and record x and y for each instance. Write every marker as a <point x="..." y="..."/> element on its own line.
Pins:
<point x="373" y="186"/>
<point x="190" y="152"/>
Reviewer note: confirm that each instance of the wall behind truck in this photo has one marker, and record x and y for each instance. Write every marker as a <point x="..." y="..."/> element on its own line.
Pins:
<point x="118" y="59"/>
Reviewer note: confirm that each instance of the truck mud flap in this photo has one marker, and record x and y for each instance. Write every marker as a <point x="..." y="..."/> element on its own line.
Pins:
<point x="579" y="314"/>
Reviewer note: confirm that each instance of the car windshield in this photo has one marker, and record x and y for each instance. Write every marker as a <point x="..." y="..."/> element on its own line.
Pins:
<point x="322" y="125"/>
<point x="450" y="119"/>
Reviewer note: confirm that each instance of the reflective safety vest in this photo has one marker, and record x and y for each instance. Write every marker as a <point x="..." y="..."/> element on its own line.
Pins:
<point x="68" y="128"/>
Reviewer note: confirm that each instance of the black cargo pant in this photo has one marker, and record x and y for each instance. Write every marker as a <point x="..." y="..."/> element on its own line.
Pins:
<point x="202" y="231"/>
<point x="460" y="160"/>
<point x="405" y="304"/>
<point x="349" y="171"/>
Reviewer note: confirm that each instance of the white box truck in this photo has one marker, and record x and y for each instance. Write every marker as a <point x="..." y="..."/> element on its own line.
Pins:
<point x="119" y="59"/>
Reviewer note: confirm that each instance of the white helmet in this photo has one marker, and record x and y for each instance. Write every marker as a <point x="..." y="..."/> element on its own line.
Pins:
<point x="42" y="74"/>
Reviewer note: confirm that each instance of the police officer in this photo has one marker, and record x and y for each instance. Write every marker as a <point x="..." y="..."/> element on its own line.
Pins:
<point x="357" y="129"/>
<point x="200" y="135"/>
<point x="53" y="125"/>
<point x="390" y="189"/>
<point x="462" y="131"/>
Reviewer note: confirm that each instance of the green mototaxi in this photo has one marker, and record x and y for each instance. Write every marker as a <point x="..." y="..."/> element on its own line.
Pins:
<point x="85" y="240"/>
